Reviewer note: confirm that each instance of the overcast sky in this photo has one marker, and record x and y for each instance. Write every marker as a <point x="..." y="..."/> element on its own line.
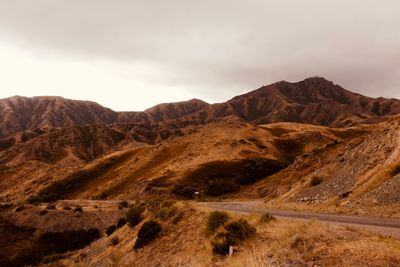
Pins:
<point x="132" y="54"/>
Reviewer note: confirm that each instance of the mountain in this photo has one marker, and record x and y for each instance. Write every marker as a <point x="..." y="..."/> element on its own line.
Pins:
<point x="314" y="101"/>
<point x="19" y="114"/>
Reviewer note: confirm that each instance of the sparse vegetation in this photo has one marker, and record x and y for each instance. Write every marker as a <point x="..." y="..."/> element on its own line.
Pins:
<point x="51" y="206"/>
<point x="344" y="194"/>
<point x="121" y="222"/>
<point x="61" y="242"/>
<point x="6" y="206"/>
<point x="110" y="230"/>
<point x="114" y="241"/>
<point x="123" y="204"/>
<point x="53" y="257"/>
<point x="315" y="181"/>
<point x="134" y="215"/>
<point x="178" y="217"/>
<point x="78" y="209"/>
<point x="396" y="170"/>
<point x="147" y="233"/>
<point x="19" y="209"/>
<point x="43" y="212"/>
<point x="166" y="212"/>
<point x="185" y="191"/>
<point x="266" y="218"/>
<point x="215" y="220"/>
<point x="216" y="188"/>
<point x="235" y="233"/>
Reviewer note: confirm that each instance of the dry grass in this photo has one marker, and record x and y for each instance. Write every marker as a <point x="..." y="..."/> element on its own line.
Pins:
<point x="277" y="243"/>
<point x="300" y="243"/>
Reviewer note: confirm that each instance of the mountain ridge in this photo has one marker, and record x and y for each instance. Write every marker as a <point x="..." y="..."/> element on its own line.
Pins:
<point x="314" y="100"/>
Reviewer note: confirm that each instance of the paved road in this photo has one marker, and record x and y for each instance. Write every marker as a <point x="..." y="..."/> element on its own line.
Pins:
<point x="386" y="226"/>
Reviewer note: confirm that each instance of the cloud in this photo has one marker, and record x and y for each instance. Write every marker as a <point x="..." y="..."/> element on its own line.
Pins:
<point x="217" y="49"/>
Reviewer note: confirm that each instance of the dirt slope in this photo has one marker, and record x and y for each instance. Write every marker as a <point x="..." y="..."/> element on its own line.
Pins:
<point x="230" y="151"/>
<point x="361" y="171"/>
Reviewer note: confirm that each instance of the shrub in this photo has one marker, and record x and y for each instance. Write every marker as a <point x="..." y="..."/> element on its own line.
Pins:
<point x="396" y="170"/>
<point x="123" y="204"/>
<point x="19" y="209"/>
<point x="121" y="222"/>
<point x="51" y="206"/>
<point x="5" y="206"/>
<point x="53" y="257"/>
<point x="134" y="215"/>
<point x="216" y="188"/>
<point x="344" y="194"/>
<point x="166" y="212"/>
<point x="61" y="242"/>
<point x="216" y="220"/>
<point x="184" y="191"/>
<point x="78" y="209"/>
<point x="34" y="199"/>
<point x="240" y="230"/>
<point x="110" y="230"/>
<point x="315" y="181"/>
<point x="43" y="212"/>
<point x="236" y="232"/>
<point x="178" y="217"/>
<point x="266" y="218"/>
<point x="114" y="241"/>
<point x="147" y="233"/>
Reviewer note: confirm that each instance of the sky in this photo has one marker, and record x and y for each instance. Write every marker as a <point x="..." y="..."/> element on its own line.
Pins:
<point x="132" y="54"/>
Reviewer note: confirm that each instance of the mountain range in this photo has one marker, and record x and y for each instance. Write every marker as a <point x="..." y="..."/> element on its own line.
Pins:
<point x="48" y="144"/>
<point x="314" y="101"/>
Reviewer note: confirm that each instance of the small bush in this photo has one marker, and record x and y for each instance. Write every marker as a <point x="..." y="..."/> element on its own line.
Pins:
<point x="240" y="230"/>
<point x="52" y="258"/>
<point x="396" y="170"/>
<point x="178" y="217"/>
<point x="19" y="209"/>
<point x="61" y="242"/>
<point x="78" y="209"/>
<point x="345" y="194"/>
<point x="51" y="206"/>
<point x="166" y="212"/>
<point x="134" y="215"/>
<point x="5" y="206"/>
<point x="147" y="233"/>
<point x="315" y="181"/>
<point x="110" y="230"/>
<point x="43" y="212"/>
<point x="114" y="241"/>
<point x="123" y="204"/>
<point x="236" y="232"/>
<point x="185" y="191"/>
<point x="216" y="220"/>
<point x="266" y="218"/>
<point x="121" y="222"/>
<point x="35" y="199"/>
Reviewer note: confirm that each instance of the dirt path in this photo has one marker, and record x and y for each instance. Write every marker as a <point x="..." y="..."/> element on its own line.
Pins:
<point x="384" y="226"/>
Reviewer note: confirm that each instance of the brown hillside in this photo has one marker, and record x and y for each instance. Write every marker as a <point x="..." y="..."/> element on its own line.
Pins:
<point x="227" y="153"/>
<point x="314" y="101"/>
<point x="19" y="114"/>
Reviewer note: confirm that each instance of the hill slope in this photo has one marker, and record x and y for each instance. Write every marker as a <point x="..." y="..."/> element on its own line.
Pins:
<point x="314" y="100"/>
<point x="19" y="114"/>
